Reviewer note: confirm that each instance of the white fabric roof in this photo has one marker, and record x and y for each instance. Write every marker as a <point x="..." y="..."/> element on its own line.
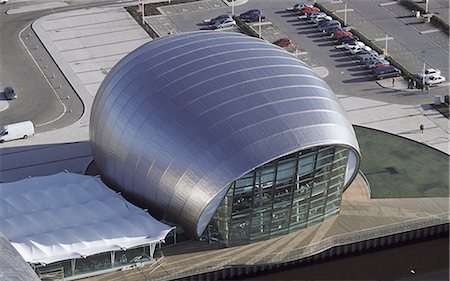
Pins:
<point x="64" y="216"/>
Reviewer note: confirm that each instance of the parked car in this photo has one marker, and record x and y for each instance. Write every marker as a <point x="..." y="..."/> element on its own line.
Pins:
<point x="434" y="79"/>
<point x="347" y="39"/>
<point x="325" y="23"/>
<point x="314" y="14"/>
<point x="386" y="72"/>
<point x="9" y="93"/>
<point x="3" y="1"/>
<point x="299" y="6"/>
<point x="428" y="72"/>
<point x="340" y="33"/>
<point x="252" y="15"/>
<point x="307" y="10"/>
<point x="224" y="23"/>
<point x="218" y="18"/>
<point x="377" y="63"/>
<point x="349" y="46"/>
<point x="329" y="26"/>
<point x="318" y="19"/>
<point x="283" y="42"/>
<point x="356" y="50"/>
<point x="370" y="57"/>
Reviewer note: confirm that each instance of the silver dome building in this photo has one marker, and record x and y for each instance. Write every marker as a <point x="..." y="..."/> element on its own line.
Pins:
<point x="200" y="123"/>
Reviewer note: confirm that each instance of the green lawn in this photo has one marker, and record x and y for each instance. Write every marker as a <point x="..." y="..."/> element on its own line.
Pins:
<point x="398" y="167"/>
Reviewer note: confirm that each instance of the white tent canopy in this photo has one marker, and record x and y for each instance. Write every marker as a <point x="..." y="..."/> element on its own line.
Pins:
<point x="64" y="216"/>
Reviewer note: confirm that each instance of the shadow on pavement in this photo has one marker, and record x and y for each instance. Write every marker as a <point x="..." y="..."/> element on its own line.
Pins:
<point x="356" y="80"/>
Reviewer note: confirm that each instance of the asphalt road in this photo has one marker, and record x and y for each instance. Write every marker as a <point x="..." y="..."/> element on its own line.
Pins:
<point x="44" y="94"/>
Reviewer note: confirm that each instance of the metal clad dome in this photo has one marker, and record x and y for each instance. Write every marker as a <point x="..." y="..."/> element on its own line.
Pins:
<point x="181" y="117"/>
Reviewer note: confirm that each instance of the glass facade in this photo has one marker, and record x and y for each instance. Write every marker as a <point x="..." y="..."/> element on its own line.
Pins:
<point x="282" y="196"/>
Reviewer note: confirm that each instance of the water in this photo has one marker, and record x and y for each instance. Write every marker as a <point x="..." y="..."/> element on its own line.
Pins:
<point x="428" y="259"/>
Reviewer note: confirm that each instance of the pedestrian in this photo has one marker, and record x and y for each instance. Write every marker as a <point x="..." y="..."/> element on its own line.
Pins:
<point x="393" y="82"/>
<point x="414" y="84"/>
<point x="410" y="83"/>
<point x="421" y="128"/>
<point x="427" y="88"/>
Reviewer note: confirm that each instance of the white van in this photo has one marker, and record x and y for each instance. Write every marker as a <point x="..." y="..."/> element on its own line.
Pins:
<point x="20" y="130"/>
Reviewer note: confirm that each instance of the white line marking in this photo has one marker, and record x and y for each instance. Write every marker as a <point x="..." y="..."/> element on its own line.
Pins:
<point x="343" y="10"/>
<point x="46" y="79"/>
<point x="388" y="3"/>
<point x="382" y="39"/>
<point x="430" y="31"/>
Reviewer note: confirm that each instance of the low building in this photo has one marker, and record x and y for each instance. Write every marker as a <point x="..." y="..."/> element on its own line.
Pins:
<point x="71" y="226"/>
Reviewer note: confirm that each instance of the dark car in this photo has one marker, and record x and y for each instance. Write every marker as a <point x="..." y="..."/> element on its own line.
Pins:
<point x="252" y="15"/>
<point x="283" y="42"/>
<point x="386" y="72"/>
<point x="9" y="93"/>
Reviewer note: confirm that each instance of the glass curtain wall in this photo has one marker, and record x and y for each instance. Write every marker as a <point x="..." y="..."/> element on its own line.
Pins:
<point x="282" y="196"/>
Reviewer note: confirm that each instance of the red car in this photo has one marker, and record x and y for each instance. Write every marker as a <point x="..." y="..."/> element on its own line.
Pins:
<point x="308" y="10"/>
<point x="340" y="34"/>
<point x="283" y="42"/>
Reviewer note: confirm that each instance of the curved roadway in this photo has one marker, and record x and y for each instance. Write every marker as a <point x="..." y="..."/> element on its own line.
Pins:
<point x="44" y="94"/>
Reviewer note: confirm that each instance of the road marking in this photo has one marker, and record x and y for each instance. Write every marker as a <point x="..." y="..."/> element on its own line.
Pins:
<point x="343" y="10"/>
<point x="262" y="23"/>
<point x="382" y="39"/>
<point x="443" y="84"/>
<point x="46" y="79"/>
<point x="430" y="31"/>
<point x="339" y="46"/>
<point x="302" y="17"/>
<point x="388" y="3"/>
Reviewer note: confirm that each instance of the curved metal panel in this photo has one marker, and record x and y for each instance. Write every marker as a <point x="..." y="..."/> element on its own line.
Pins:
<point x="181" y="117"/>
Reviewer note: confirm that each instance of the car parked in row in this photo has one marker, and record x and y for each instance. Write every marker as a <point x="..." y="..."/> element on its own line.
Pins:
<point x="307" y="10"/>
<point x="358" y="49"/>
<point x="340" y="33"/>
<point x="377" y="63"/>
<point x="252" y="16"/>
<point x="327" y="26"/>
<point x="355" y="44"/>
<point x="321" y="18"/>
<point x="216" y="19"/>
<point x="388" y="71"/>
<point x="298" y="7"/>
<point x="283" y="42"/>
<point x="227" y="22"/>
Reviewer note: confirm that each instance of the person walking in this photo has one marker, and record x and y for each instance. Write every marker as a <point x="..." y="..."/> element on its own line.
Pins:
<point x="421" y="128"/>
<point x="393" y="82"/>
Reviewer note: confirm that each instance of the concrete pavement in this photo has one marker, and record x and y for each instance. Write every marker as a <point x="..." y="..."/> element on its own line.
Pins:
<point x="78" y="43"/>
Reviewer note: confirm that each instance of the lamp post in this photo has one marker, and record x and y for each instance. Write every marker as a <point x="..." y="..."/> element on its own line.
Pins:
<point x="386" y="45"/>
<point x="259" y="26"/>
<point x="345" y="13"/>
<point x="423" y="77"/>
<point x="143" y="12"/>
<point x="232" y="7"/>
